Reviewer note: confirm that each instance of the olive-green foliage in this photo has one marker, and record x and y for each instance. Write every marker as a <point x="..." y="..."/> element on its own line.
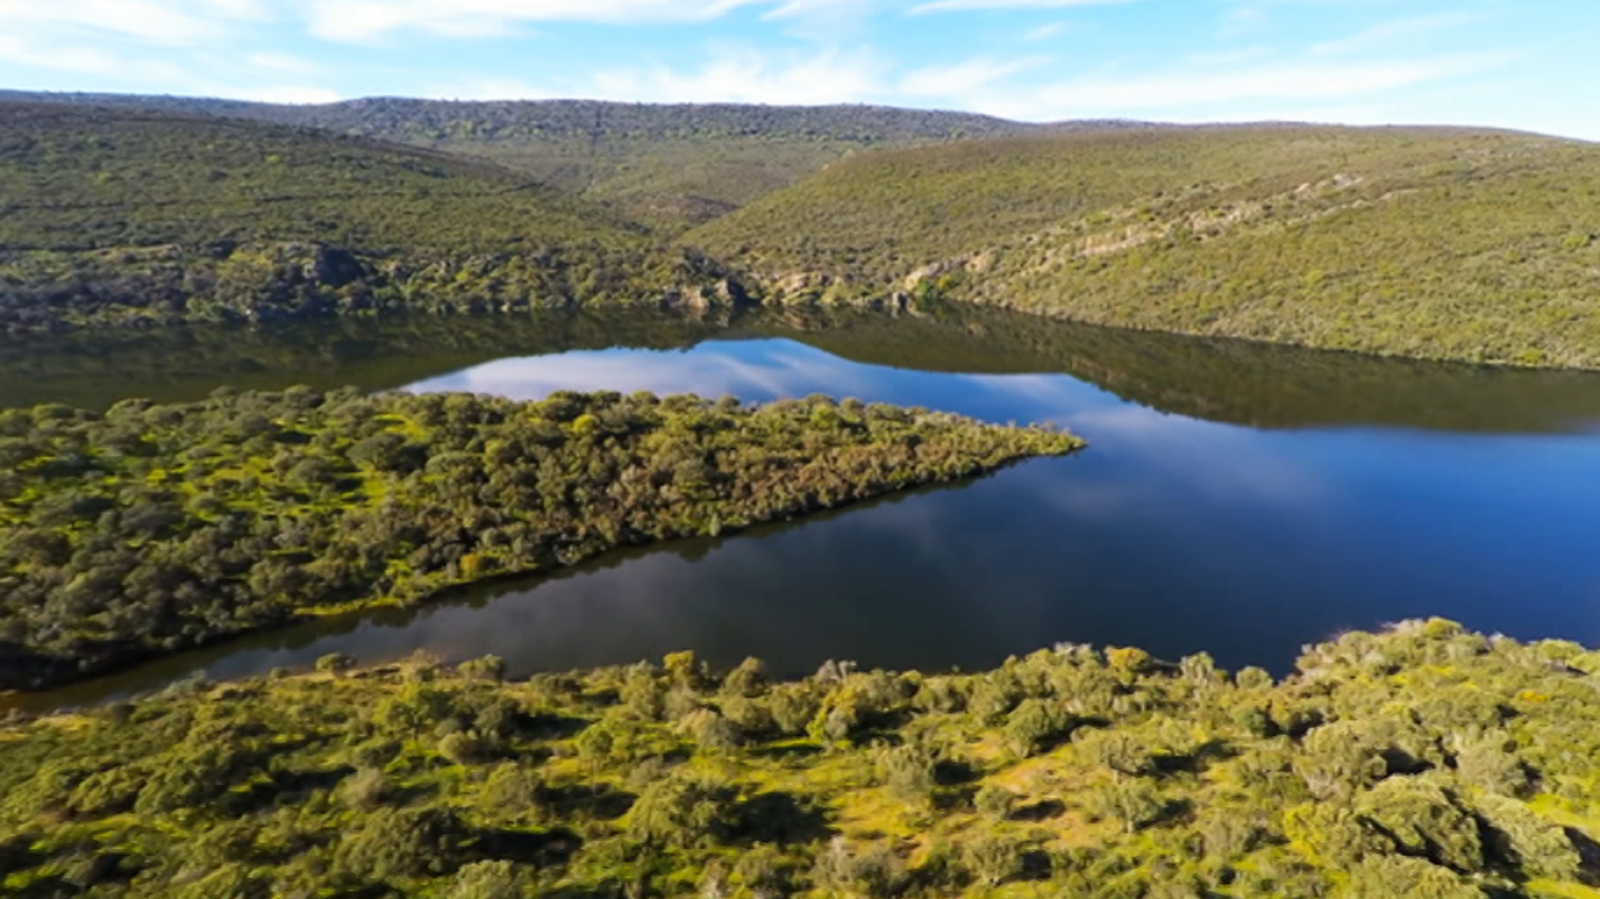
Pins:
<point x="114" y="217"/>
<point x="152" y="528"/>
<point x="670" y="166"/>
<point x="1439" y="243"/>
<point x="338" y="785"/>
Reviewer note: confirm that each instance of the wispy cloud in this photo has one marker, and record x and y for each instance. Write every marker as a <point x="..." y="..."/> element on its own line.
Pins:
<point x="1202" y="89"/>
<point x="1389" y="33"/>
<point x="744" y="75"/>
<point x="953" y="5"/>
<point x="962" y="78"/>
<point x="156" y="21"/>
<point x="1046" y="32"/>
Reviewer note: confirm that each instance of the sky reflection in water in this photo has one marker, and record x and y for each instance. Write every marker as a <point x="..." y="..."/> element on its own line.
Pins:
<point x="1171" y="533"/>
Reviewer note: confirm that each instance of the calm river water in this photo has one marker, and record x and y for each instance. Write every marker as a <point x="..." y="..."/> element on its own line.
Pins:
<point x="1236" y="499"/>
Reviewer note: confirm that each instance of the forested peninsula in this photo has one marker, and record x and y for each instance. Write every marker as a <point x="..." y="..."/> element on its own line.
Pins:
<point x="1425" y="762"/>
<point x="152" y="528"/>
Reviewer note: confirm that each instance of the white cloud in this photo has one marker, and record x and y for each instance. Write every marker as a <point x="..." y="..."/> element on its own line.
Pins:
<point x="1046" y="32"/>
<point x="363" y="20"/>
<point x="159" y="21"/>
<point x="287" y="63"/>
<point x="749" y="76"/>
<point x="1390" y="32"/>
<point x="952" y="5"/>
<point x="964" y="77"/>
<point x="1231" y="57"/>
<point x="1303" y="80"/>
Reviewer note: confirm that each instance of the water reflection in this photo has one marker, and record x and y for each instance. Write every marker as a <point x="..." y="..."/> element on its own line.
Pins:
<point x="1170" y="532"/>
<point x="1216" y="380"/>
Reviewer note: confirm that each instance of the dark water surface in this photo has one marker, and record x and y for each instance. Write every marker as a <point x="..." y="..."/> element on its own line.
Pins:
<point x="1236" y="499"/>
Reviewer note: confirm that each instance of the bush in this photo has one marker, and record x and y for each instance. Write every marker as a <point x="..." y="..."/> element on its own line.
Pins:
<point x="1033" y="724"/>
<point x="463" y="748"/>
<point x="512" y="791"/>
<point x="871" y="872"/>
<point x="685" y="809"/>
<point x="1520" y="837"/>
<point x="389" y="843"/>
<point x="907" y="771"/>
<point x="1423" y="820"/>
<point x="1134" y="804"/>
<point x="492" y="880"/>
<point x="711" y="731"/>
<point x="489" y="668"/>
<point x="365" y="790"/>
<point x="336" y="663"/>
<point x="995" y="802"/>
<point x="1413" y="878"/>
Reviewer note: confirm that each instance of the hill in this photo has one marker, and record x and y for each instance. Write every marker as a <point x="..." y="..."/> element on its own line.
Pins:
<point x="1425" y="242"/>
<point x="114" y="216"/>
<point x="671" y="166"/>
<point x="1426" y="762"/>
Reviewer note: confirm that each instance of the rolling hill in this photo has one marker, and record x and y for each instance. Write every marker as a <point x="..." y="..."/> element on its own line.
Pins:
<point x="109" y="216"/>
<point x="1438" y="243"/>
<point x="671" y="166"/>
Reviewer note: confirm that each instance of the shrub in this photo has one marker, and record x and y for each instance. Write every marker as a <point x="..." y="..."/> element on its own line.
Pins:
<point x="389" y="843"/>
<point x="492" y="880"/>
<point x="336" y="663"/>
<point x="870" y="872"/>
<point x="463" y="748"/>
<point x="995" y="802"/>
<point x="1033" y="724"/>
<point x="364" y="790"/>
<point x="1520" y="837"/>
<point x="684" y="809"/>
<point x="490" y="668"/>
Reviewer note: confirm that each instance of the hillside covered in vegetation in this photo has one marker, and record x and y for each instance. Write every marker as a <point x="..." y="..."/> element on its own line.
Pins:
<point x="116" y="217"/>
<point x="1427" y="762"/>
<point x="152" y="528"/>
<point x="671" y="166"/>
<point x="1438" y="243"/>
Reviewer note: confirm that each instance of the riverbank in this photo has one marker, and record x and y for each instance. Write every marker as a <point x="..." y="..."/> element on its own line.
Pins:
<point x="1425" y="760"/>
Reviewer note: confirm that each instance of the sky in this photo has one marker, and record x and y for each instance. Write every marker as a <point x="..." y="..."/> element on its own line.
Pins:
<point x="1525" y="64"/>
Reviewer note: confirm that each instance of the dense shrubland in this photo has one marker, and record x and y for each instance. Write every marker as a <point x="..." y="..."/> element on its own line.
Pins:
<point x="118" y="217"/>
<point x="1438" y="243"/>
<point x="1427" y="762"/>
<point x="151" y="528"/>
<point x="669" y="166"/>
<point x="1441" y="243"/>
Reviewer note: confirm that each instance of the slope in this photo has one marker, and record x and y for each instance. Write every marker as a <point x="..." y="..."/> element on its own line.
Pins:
<point x="1441" y="243"/>
<point x="671" y="166"/>
<point x="109" y="216"/>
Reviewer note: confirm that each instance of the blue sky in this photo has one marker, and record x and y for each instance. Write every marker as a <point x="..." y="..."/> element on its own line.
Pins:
<point x="1530" y="64"/>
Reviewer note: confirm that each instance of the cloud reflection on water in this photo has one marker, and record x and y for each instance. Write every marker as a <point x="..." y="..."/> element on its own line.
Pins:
<point x="1169" y="532"/>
